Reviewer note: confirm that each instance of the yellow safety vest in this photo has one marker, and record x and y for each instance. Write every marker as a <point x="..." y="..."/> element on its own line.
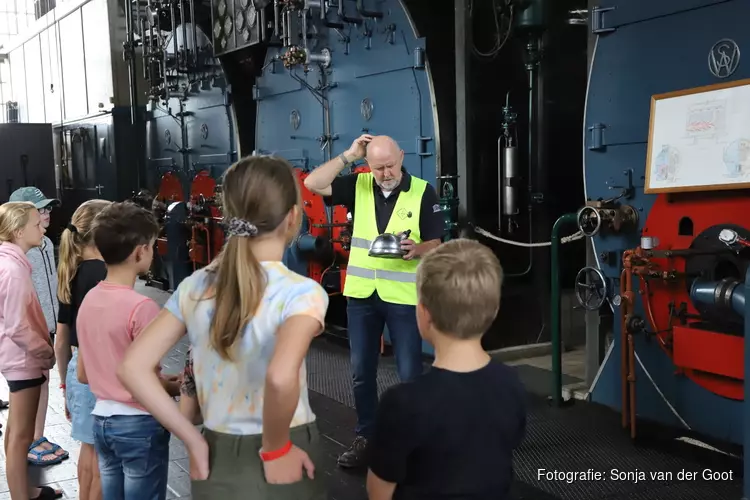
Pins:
<point x="394" y="279"/>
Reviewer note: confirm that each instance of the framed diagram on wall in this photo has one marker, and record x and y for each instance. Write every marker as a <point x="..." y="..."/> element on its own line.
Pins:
<point x="699" y="139"/>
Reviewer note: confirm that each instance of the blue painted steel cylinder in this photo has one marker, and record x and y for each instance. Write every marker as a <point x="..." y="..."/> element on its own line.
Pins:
<point x="308" y="243"/>
<point x="628" y="67"/>
<point x="727" y="294"/>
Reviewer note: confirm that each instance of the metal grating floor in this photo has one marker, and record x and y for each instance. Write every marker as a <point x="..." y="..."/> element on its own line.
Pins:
<point x="329" y="372"/>
<point x="577" y="438"/>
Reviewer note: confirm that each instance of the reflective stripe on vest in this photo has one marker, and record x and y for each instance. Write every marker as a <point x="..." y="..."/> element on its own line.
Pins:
<point x="393" y="279"/>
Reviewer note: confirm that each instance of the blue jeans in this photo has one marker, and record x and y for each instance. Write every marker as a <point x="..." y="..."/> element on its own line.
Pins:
<point x="81" y="402"/>
<point x="366" y="321"/>
<point x="133" y="453"/>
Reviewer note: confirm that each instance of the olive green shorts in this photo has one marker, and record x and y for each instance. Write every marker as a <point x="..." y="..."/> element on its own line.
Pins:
<point x="236" y="470"/>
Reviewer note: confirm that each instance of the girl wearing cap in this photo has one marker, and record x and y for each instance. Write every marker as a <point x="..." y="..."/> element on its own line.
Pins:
<point x="44" y="276"/>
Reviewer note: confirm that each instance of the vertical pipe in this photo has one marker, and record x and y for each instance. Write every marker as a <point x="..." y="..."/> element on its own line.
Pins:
<point x="276" y="18"/>
<point x="133" y="81"/>
<point x="131" y="61"/>
<point x="194" y="25"/>
<point x="184" y="38"/>
<point x="555" y="299"/>
<point x="463" y="42"/>
<point x="173" y="17"/>
<point x="304" y="29"/>
<point x="145" y="40"/>
<point x="540" y="203"/>
<point x="501" y="196"/>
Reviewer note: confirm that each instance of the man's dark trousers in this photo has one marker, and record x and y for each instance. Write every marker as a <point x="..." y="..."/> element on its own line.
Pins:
<point x="366" y="321"/>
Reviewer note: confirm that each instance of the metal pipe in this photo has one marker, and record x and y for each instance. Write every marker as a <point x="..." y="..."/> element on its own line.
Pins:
<point x="723" y="294"/>
<point x="276" y="18"/>
<point x="530" y="71"/>
<point x="304" y="29"/>
<point x="195" y="33"/>
<point x="146" y="50"/>
<point x="539" y="203"/>
<point x="625" y="295"/>
<point x="184" y="55"/>
<point x="631" y="382"/>
<point x="286" y="28"/>
<point x="133" y="81"/>
<point x="173" y="16"/>
<point x="131" y="62"/>
<point x="555" y="299"/>
<point x="500" y="184"/>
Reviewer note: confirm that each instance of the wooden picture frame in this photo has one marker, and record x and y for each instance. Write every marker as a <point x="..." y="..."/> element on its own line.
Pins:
<point x="711" y="149"/>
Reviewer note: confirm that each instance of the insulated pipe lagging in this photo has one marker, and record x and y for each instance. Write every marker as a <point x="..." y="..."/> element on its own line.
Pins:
<point x="723" y="294"/>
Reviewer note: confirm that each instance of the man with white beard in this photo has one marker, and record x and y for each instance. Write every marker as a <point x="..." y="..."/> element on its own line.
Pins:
<point x="380" y="291"/>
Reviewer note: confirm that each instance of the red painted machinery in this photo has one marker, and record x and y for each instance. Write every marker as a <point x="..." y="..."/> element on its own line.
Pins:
<point x="704" y="341"/>
<point x="687" y="277"/>
<point x="330" y="270"/>
<point x="170" y="190"/>
<point x="204" y="220"/>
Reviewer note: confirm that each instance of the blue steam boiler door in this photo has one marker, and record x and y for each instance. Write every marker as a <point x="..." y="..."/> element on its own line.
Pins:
<point x="371" y="77"/>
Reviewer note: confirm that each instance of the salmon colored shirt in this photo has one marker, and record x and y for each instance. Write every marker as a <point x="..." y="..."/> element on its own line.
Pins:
<point x="109" y="320"/>
<point x="25" y="345"/>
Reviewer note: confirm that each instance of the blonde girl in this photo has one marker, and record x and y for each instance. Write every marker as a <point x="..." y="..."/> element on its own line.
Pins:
<point x="25" y="344"/>
<point x="80" y="269"/>
<point x="250" y="321"/>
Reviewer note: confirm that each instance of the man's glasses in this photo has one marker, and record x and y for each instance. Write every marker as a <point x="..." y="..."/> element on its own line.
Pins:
<point x="46" y="210"/>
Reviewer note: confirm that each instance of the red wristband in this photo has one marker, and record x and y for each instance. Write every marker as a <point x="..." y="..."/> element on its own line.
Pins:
<point x="268" y="456"/>
<point x="62" y="386"/>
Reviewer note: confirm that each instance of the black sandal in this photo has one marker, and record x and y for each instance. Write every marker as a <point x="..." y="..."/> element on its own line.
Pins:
<point x="47" y="493"/>
<point x="4" y="405"/>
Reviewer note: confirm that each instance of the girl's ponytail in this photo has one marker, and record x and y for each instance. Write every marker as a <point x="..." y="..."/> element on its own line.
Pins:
<point x="74" y="240"/>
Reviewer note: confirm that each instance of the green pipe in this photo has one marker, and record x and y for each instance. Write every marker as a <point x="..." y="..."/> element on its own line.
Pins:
<point x="555" y="299"/>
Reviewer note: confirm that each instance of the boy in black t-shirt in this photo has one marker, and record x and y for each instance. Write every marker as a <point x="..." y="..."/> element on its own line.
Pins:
<point x="451" y="433"/>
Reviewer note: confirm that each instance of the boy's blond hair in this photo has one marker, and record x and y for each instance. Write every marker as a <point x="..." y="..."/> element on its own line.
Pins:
<point x="459" y="284"/>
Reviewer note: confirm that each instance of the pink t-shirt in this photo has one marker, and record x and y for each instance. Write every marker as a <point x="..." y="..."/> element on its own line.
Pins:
<point x="110" y="318"/>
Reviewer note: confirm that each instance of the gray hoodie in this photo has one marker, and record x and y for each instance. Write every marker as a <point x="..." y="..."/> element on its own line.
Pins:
<point x="44" y="276"/>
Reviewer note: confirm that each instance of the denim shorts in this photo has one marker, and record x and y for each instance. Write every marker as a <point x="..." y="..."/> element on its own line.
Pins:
<point x="133" y="453"/>
<point x="81" y="402"/>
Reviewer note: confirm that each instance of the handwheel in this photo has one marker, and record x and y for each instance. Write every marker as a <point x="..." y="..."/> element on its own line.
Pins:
<point x="591" y="288"/>
<point x="589" y="221"/>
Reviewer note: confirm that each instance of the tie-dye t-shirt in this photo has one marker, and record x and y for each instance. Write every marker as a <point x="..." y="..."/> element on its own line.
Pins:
<point x="231" y="393"/>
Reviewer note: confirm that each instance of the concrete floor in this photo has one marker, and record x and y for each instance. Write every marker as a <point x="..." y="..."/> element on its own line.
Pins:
<point x="335" y="420"/>
<point x="64" y="475"/>
<point x="573" y="366"/>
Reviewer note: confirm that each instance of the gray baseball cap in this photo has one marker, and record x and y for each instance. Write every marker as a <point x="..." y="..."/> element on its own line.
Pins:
<point x="35" y="196"/>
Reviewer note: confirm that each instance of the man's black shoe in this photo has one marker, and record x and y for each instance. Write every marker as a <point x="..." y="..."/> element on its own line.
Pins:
<point x="356" y="456"/>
